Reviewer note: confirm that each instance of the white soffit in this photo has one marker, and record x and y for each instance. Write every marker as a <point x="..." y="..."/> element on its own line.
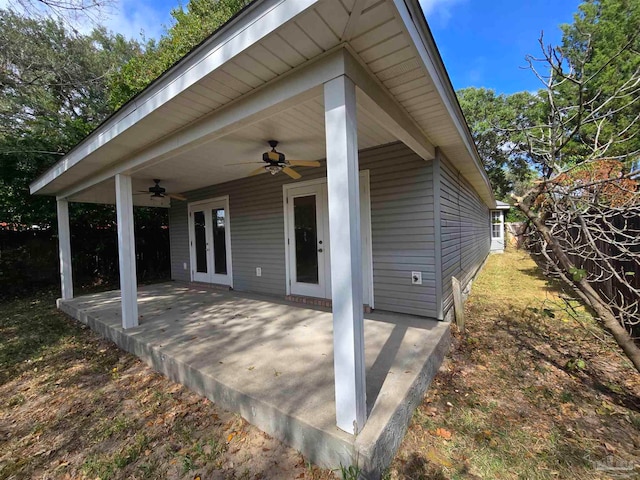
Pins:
<point x="170" y="102"/>
<point x="271" y="39"/>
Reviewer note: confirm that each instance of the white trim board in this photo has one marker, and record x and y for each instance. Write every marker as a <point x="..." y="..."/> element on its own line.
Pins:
<point x="411" y="15"/>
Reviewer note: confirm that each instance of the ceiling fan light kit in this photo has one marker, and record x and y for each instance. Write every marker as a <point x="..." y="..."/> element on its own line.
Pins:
<point x="276" y="162"/>
<point x="273" y="169"/>
<point x="158" y="193"/>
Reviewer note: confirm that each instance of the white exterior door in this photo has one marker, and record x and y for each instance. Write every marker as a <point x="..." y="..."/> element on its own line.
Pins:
<point x="307" y="241"/>
<point x="307" y="237"/>
<point x="210" y="241"/>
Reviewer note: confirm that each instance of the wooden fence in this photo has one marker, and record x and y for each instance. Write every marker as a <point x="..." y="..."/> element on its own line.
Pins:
<point x="616" y="288"/>
<point x="29" y="257"/>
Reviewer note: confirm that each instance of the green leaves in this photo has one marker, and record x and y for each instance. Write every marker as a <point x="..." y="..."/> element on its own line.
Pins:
<point x="576" y="364"/>
<point x="577" y="273"/>
<point x="604" y="36"/>
<point x="53" y="92"/>
<point x="191" y="26"/>
<point x="593" y="114"/>
<point x="491" y="117"/>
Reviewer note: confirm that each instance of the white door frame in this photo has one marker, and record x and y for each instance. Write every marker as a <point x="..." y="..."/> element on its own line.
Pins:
<point x="367" y="253"/>
<point x="211" y="204"/>
<point x="320" y="289"/>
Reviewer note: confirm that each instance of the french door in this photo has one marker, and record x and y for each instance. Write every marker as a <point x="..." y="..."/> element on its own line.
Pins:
<point x="307" y="239"/>
<point x="210" y="241"/>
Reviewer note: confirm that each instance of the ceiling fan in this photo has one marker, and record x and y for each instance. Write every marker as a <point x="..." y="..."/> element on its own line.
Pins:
<point x="158" y="193"/>
<point x="276" y="162"/>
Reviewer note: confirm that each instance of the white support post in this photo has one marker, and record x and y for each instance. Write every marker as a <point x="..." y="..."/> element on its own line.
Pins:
<point x="126" y="251"/>
<point x="64" y="245"/>
<point x="346" y="256"/>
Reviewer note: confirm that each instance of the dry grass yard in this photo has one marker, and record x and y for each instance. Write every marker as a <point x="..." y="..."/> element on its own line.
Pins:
<point x="528" y="393"/>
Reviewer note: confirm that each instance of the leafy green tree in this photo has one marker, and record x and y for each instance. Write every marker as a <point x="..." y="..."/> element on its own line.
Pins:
<point x="598" y="56"/>
<point x="602" y="47"/>
<point x="53" y="92"/>
<point x="191" y="27"/>
<point x="490" y="117"/>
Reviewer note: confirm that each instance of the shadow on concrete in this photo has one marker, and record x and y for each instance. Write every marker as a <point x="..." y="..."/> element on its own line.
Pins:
<point x="378" y="372"/>
<point x="269" y="360"/>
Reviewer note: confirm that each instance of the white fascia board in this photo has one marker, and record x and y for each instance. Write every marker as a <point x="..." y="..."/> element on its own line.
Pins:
<point x="250" y="27"/>
<point x="284" y="92"/>
<point x="413" y="19"/>
<point x="385" y="110"/>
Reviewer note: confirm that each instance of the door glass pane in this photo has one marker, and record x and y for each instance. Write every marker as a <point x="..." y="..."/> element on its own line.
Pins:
<point x="304" y="213"/>
<point x="219" y="241"/>
<point x="201" y="241"/>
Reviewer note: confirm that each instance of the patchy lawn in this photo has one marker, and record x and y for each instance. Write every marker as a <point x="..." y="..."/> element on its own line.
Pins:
<point x="75" y="406"/>
<point x="527" y="393"/>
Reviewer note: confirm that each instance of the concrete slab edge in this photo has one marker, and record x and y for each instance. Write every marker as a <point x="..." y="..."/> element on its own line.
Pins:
<point x="316" y="445"/>
<point x="375" y="456"/>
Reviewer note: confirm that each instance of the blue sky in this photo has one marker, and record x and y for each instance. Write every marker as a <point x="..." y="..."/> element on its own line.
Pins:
<point x="482" y="42"/>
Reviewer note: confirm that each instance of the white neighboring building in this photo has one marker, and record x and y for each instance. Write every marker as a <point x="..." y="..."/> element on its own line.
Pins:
<point x="497" y="227"/>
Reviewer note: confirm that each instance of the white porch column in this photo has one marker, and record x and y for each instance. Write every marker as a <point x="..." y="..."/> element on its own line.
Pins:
<point x="64" y="245"/>
<point x="346" y="256"/>
<point x="126" y="251"/>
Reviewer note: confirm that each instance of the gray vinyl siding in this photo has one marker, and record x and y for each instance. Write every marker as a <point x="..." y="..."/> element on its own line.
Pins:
<point x="257" y="232"/>
<point x="179" y="241"/>
<point x="402" y="227"/>
<point x="402" y="233"/>
<point x="464" y="228"/>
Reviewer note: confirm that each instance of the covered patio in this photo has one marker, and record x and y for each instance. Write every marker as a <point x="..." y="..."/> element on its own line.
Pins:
<point x="272" y="362"/>
<point x="393" y="203"/>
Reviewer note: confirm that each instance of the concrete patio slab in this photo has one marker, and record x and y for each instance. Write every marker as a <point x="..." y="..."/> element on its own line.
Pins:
<point x="272" y="362"/>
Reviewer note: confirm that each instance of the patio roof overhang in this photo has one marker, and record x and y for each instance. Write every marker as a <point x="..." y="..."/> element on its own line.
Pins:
<point x="326" y="78"/>
<point x="261" y="76"/>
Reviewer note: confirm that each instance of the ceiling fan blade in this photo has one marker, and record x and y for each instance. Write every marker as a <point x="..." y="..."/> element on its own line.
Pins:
<point x="257" y="171"/>
<point x="304" y="163"/>
<point x="275" y="156"/>
<point x="176" y="196"/>
<point x="291" y="172"/>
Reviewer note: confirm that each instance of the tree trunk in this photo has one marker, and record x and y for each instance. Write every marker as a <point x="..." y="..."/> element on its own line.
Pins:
<point x="599" y="306"/>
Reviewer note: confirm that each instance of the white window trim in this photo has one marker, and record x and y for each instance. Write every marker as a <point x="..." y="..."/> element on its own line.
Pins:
<point x="501" y="214"/>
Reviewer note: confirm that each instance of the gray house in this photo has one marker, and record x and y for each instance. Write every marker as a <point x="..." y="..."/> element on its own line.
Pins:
<point x="373" y="194"/>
